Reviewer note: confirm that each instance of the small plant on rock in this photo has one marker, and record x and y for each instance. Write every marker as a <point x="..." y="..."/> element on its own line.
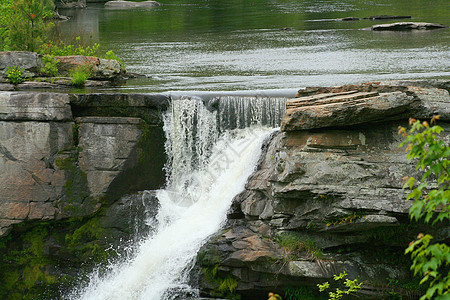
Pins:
<point x="350" y="285"/>
<point x="50" y="66"/>
<point x="80" y="74"/>
<point x="15" y="75"/>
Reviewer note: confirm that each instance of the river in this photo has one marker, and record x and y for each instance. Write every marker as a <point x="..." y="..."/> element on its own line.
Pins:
<point x="213" y="45"/>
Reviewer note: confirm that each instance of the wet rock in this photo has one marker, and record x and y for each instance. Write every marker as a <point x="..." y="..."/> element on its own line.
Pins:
<point x="387" y="17"/>
<point x="349" y="19"/>
<point x="401" y="26"/>
<point x="131" y="4"/>
<point x="70" y="3"/>
<point x="335" y="183"/>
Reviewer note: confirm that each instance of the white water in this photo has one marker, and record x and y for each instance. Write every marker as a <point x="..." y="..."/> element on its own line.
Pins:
<point x="205" y="173"/>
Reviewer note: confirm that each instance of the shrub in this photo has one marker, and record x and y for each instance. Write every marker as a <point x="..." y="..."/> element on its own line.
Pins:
<point x="50" y="66"/>
<point x="431" y="196"/>
<point x="14" y="75"/>
<point x="351" y="286"/>
<point x="25" y="24"/>
<point x="76" y="47"/>
<point x="80" y="74"/>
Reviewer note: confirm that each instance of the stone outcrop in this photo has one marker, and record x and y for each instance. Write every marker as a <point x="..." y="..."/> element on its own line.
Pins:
<point x="401" y="26"/>
<point x="350" y="105"/>
<point x="30" y="62"/>
<point x="327" y="195"/>
<point x="131" y="4"/>
<point x="58" y="164"/>
<point x="101" y="68"/>
<point x="70" y="3"/>
<point x="103" y="71"/>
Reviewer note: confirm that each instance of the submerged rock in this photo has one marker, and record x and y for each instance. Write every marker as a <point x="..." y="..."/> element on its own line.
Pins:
<point x="377" y="17"/>
<point x="400" y="26"/>
<point x="131" y="4"/>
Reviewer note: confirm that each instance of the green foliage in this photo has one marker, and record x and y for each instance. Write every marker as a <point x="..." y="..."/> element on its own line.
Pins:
<point x="351" y="286"/>
<point x="345" y="219"/>
<point x="76" y="47"/>
<point x="300" y="293"/>
<point x="14" y="75"/>
<point x="111" y="55"/>
<point x="50" y="66"/>
<point x="431" y="196"/>
<point x="25" y="24"/>
<point x="80" y="74"/>
<point x="296" y="247"/>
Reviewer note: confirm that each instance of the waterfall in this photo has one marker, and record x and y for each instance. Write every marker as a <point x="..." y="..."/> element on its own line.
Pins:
<point x="205" y="170"/>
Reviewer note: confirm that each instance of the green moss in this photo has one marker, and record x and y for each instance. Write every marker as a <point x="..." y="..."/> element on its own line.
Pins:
<point x="29" y="271"/>
<point x="76" y="186"/>
<point x="297" y="247"/>
<point x="222" y="285"/>
<point x="301" y="293"/>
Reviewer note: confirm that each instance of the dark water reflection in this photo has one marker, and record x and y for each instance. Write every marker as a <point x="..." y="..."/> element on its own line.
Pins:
<point x="241" y="45"/>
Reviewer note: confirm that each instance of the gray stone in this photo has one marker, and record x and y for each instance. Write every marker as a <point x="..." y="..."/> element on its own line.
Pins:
<point x="70" y="3"/>
<point x="30" y="182"/>
<point x="102" y="69"/>
<point x="29" y="106"/>
<point x="400" y="26"/>
<point x="339" y="191"/>
<point x="107" y="144"/>
<point x="30" y="62"/>
<point x="371" y="102"/>
<point x="131" y="4"/>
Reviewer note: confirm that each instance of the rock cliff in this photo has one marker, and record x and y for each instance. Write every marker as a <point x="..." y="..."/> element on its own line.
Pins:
<point x="327" y="197"/>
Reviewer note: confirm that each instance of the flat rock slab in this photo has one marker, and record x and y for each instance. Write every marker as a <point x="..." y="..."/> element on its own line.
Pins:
<point x="31" y="106"/>
<point x="400" y="26"/>
<point x="359" y="104"/>
<point x="131" y="4"/>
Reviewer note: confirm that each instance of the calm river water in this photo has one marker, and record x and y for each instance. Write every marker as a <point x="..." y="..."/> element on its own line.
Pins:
<point x="224" y="45"/>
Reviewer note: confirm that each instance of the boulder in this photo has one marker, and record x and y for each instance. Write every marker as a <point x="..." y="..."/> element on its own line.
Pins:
<point x="30" y="62"/>
<point x="401" y="26"/>
<point x="131" y="4"/>
<point x="101" y="68"/>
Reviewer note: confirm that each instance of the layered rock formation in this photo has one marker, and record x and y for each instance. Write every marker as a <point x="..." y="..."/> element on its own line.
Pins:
<point x="327" y="196"/>
<point x="58" y="162"/>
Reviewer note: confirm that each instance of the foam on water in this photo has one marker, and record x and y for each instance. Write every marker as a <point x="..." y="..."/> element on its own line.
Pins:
<point x="205" y="172"/>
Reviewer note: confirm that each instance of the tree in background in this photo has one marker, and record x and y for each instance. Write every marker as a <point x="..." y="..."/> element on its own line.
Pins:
<point x="431" y="196"/>
<point x="25" y="24"/>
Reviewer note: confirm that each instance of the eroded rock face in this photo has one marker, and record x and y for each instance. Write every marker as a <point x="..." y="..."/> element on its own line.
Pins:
<point x="372" y="102"/>
<point x="55" y="166"/>
<point x="332" y="181"/>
